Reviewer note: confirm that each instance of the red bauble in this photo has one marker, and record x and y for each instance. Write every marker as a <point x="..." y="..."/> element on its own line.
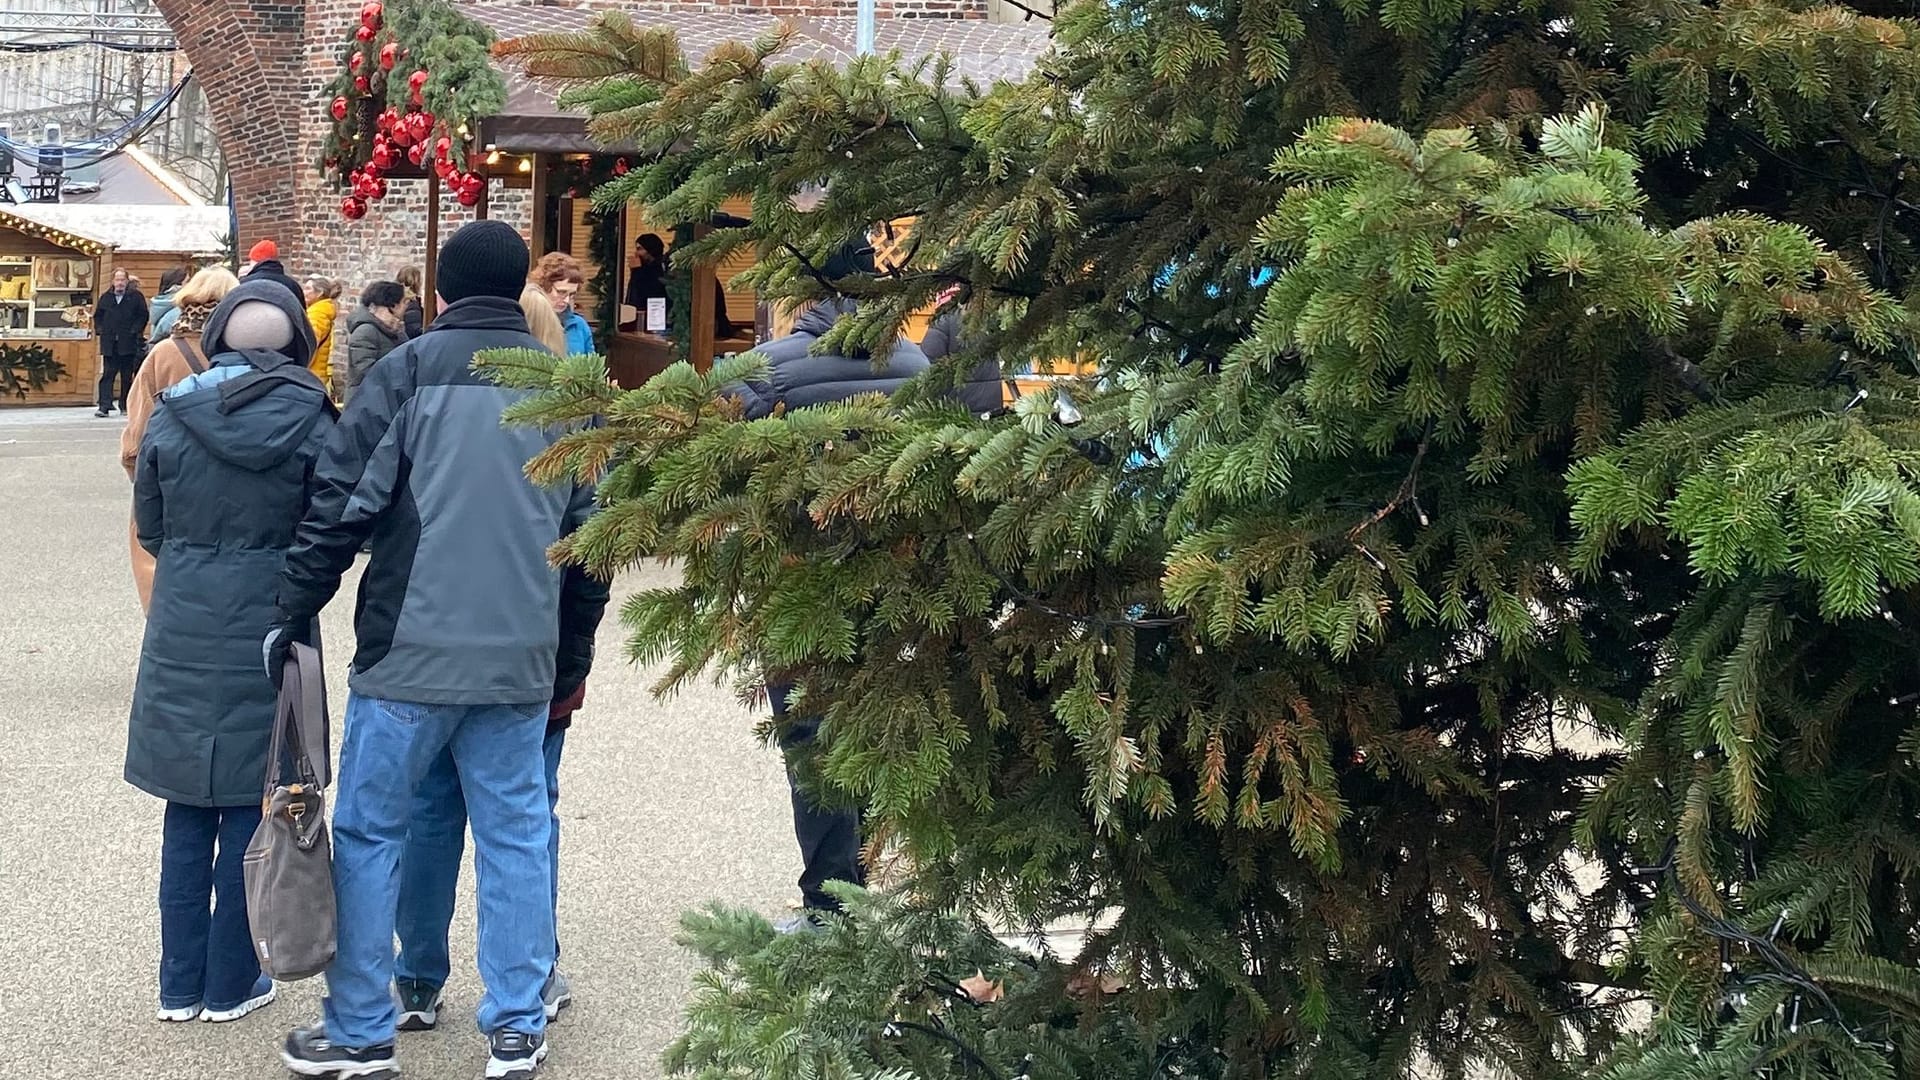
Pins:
<point x="417" y="81"/>
<point x="387" y="119"/>
<point x="389" y="53"/>
<point x="340" y="108"/>
<point x="620" y="166"/>
<point x="361" y="84"/>
<point x="372" y="14"/>
<point x="384" y="157"/>
<point x="469" y="195"/>
<point x="364" y="34"/>
<point x="417" y="153"/>
<point x="353" y="208"/>
<point x="420" y="125"/>
<point x="357" y="61"/>
<point x="377" y="188"/>
<point x="442" y="148"/>
<point x="444" y="168"/>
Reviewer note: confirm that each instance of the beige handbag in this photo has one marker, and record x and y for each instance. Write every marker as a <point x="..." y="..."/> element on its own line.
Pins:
<point x="289" y="863"/>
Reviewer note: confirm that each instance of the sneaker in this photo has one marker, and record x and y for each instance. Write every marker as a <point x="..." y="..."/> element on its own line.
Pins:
<point x="419" y="1004"/>
<point x="516" y="1055"/>
<point x="178" y="1016"/>
<point x="262" y="996"/>
<point x="804" y="923"/>
<point x="308" y="1053"/>
<point x="101" y="413"/>
<point x="557" y="994"/>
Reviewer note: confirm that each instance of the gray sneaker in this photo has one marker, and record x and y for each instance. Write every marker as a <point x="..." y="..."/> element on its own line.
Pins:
<point x="557" y="994"/>
<point x="419" y="1004"/>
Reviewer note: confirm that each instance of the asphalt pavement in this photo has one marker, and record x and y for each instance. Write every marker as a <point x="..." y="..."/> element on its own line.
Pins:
<point x="664" y="805"/>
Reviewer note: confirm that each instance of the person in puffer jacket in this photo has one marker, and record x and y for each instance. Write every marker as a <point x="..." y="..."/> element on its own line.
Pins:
<point x="983" y="391"/>
<point x="797" y="377"/>
<point x="220" y="484"/>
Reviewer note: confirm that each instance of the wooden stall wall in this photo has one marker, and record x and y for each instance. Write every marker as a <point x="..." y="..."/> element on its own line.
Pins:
<point x="80" y="356"/>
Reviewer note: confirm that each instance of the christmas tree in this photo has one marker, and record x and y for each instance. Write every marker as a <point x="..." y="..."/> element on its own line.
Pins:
<point x="1465" y="625"/>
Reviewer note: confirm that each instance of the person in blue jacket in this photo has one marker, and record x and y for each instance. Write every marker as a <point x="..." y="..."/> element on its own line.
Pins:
<point x="558" y="274"/>
<point x="220" y="485"/>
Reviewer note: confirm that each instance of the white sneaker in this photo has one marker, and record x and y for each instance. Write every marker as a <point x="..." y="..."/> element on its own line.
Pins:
<point x="178" y="1016"/>
<point x="263" y="995"/>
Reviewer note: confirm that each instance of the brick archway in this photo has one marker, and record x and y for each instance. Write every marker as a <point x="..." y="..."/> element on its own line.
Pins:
<point x="250" y="59"/>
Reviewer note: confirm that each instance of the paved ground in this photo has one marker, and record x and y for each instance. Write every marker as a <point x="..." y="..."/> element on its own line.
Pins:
<point x="666" y="806"/>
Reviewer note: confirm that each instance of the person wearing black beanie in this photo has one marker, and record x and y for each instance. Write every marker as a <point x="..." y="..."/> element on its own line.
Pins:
<point x="446" y="725"/>
<point x="485" y="258"/>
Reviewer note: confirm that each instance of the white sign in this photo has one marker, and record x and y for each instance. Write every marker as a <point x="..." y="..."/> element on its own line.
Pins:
<point x="657" y="314"/>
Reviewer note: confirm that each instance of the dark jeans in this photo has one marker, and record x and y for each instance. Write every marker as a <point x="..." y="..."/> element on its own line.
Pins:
<point x="122" y="366"/>
<point x="206" y="952"/>
<point x="829" y="837"/>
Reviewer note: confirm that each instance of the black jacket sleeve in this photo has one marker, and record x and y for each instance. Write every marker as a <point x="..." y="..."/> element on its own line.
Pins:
<point x="583" y="601"/>
<point x="354" y="482"/>
<point x="415" y="319"/>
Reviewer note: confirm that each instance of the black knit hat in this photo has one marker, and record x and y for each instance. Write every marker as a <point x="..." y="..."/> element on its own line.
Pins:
<point x="485" y="258"/>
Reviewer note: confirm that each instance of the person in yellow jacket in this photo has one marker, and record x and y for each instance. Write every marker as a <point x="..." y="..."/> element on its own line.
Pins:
<point x="323" y="310"/>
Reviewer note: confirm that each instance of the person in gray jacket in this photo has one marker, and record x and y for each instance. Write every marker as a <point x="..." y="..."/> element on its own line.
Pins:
<point x="796" y="377"/>
<point x="376" y="328"/>
<point x="983" y="391"/>
<point x="465" y="636"/>
<point x="220" y="483"/>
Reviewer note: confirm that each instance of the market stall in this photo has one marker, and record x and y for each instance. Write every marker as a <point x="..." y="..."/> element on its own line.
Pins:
<point x="49" y="278"/>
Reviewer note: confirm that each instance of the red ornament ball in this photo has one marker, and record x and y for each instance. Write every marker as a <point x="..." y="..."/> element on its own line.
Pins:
<point x="372" y="14"/>
<point x="364" y="34"/>
<point x="417" y="81"/>
<point x="389" y="54"/>
<point x="353" y="208"/>
<point x="384" y="157"/>
<point x="444" y="169"/>
<point x="443" y="148"/>
<point x="620" y="166"/>
<point x="357" y="61"/>
<point x="361" y="84"/>
<point x="469" y="195"/>
<point x="417" y="153"/>
<point x="421" y="125"/>
<point x="340" y="108"/>
<point x="377" y="188"/>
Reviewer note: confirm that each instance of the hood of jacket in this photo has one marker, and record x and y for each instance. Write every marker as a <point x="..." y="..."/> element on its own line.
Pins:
<point x="252" y="407"/>
<point x="363" y="316"/>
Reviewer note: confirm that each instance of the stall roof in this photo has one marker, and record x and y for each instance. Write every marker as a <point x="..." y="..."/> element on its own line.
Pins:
<point x="17" y="217"/>
<point x="533" y="121"/>
<point x="186" y="230"/>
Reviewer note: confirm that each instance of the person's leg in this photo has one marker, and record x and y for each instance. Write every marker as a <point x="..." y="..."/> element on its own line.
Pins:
<point x="128" y="365"/>
<point x="499" y="757"/>
<point x="387" y="749"/>
<point x="829" y="837"/>
<point x="430" y="874"/>
<point x="103" y="396"/>
<point x="233" y="969"/>
<point x="186" y="891"/>
<point x="550" y="749"/>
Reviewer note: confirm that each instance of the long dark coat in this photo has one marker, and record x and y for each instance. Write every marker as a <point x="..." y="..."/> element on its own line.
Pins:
<point x="219" y="486"/>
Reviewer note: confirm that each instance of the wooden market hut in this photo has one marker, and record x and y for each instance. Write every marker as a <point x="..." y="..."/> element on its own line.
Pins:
<point x="535" y="143"/>
<point x="55" y="258"/>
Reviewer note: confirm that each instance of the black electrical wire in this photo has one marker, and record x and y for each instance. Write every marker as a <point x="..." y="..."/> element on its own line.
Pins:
<point x="68" y="44"/>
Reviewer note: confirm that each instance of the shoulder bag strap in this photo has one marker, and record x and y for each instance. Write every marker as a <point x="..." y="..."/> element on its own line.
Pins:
<point x="193" y="355"/>
<point x="301" y="713"/>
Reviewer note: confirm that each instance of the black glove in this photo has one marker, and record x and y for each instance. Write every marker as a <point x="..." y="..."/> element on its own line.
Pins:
<point x="280" y="639"/>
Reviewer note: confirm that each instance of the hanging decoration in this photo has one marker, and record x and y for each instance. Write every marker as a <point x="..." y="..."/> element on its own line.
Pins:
<point x="27" y="367"/>
<point x="414" y="83"/>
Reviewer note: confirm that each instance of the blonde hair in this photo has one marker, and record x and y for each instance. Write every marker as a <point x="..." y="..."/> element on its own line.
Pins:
<point x="542" y="320"/>
<point x="209" y="286"/>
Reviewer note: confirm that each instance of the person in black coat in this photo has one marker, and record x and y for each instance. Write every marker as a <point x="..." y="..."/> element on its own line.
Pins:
<point x="220" y="484"/>
<point x="797" y="377"/>
<point x="120" y="322"/>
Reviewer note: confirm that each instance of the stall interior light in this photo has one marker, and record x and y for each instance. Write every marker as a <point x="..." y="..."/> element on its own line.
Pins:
<point x="526" y="165"/>
<point x="493" y="157"/>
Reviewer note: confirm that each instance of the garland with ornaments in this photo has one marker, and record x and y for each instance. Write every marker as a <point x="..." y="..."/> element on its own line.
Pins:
<point x="415" y="80"/>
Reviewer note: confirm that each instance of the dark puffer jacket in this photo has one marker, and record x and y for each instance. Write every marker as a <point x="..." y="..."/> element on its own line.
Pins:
<point x="798" y="377"/>
<point x="368" y="339"/>
<point x="983" y="392"/>
<point x="219" y="487"/>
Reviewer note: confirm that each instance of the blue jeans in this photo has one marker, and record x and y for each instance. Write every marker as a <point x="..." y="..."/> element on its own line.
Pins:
<point x="390" y="747"/>
<point x="430" y="870"/>
<point x="206" y="948"/>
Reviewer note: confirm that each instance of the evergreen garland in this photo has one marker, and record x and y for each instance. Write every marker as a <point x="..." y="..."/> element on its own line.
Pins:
<point x="1499" y="616"/>
<point x="27" y="367"/>
<point x="462" y="87"/>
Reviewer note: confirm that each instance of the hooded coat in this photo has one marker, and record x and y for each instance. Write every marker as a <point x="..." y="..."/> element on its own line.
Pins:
<point x="220" y="485"/>
<point x="797" y="376"/>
